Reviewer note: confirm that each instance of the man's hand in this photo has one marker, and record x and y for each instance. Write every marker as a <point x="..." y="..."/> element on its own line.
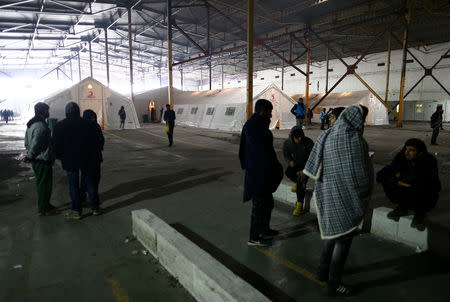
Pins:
<point x="302" y="176"/>
<point x="292" y="164"/>
<point x="403" y="184"/>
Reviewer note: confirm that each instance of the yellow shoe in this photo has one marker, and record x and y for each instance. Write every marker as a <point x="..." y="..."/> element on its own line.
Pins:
<point x="298" y="209"/>
<point x="294" y="188"/>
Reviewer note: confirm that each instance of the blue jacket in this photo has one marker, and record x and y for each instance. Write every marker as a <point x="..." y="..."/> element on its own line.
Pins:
<point x="299" y="111"/>
<point x="263" y="171"/>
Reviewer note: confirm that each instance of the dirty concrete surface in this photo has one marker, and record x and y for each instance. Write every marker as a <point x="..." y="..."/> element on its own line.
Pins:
<point x="197" y="187"/>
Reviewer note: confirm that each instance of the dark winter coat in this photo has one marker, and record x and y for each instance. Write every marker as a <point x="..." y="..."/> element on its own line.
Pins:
<point x="263" y="171"/>
<point x="122" y="114"/>
<point x="169" y="116"/>
<point x="436" y="120"/>
<point x="74" y="140"/>
<point x="298" y="153"/>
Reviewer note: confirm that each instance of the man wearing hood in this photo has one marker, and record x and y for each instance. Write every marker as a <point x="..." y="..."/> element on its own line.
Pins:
<point x="74" y="139"/>
<point x="340" y="164"/>
<point x="39" y="153"/>
<point x="296" y="150"/>
<point x="263" y="171"/>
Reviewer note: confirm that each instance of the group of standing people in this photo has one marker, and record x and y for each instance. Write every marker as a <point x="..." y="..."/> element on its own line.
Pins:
<point x="78" y="143"/>
<point x="6" y="115"/>
<point x="341" y="166"/>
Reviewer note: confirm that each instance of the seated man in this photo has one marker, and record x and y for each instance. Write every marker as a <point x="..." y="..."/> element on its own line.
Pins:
<point x="412" y="182"/>
<point x="296" y="150"/>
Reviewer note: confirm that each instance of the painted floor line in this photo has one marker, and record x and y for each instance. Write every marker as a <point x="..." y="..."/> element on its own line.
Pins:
<point x="142" y="145"/>
<point x="118" y="292"/>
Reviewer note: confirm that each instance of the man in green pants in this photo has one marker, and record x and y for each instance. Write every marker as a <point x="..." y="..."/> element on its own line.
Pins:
<point x="40" y="155"/>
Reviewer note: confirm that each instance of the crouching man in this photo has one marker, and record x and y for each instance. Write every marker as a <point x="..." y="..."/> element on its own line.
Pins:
<point x="411" y="182"/>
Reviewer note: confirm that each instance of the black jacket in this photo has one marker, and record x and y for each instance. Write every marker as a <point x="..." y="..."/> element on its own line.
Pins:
<point x="263" y="171"/>
<point x="169" y="116"/>
<point x="74" y="141"/>
<point x="298" y="153"/>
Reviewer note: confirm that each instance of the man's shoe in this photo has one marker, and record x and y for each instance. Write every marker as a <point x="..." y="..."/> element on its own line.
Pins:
<point x="259" y="242"/>
<point x="97" y="212"/>
<point x="298" y="209"/>
<point x="397" y="213"/>
<point x="418" y="222"/>
<point x="294" y="188"/>
<point x="338" y="290"/>
<point x="72" y="215"/>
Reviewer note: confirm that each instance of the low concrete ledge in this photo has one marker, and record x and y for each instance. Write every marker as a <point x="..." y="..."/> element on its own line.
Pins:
<point x="202" y="275"/>
<point x="284" y="195"/>
<point x="400" y="231"/>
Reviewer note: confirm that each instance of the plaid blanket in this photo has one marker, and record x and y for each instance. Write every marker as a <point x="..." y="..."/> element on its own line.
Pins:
<point x="340" y="164"/>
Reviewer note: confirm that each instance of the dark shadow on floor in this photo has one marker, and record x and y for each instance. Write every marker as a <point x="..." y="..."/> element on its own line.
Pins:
<point x="406" y="268"/>
<point x="265" y="287"/>
<point x="298" y="230"/>
<point x="162" y="190"/>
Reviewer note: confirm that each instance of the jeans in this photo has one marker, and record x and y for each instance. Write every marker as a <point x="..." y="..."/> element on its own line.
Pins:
<point x="89" y="183"/>
<point x="291" y="173"/>
<point x="260" y="218"/>
<point x="74" y="190"/>
<point x="170" y="133"/>
<point x="332" y="260"/>
<point x="300" y="122"/>
<point x="434" y="135"/>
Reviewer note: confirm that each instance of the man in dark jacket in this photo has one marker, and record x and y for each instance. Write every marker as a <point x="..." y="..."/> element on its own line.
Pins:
<point x="90" y="176"/>
<point x="40" y="155"/>
<point x="74" y="139"/>
<point x="169" y="118"/>
<point x="296" y="150"/>
<point x="263" y="171"/>
<point x="299" y="111"/>
<point x="436" y="123"/>
<point x="412" y="182"/>
<point x="122" y="115"/>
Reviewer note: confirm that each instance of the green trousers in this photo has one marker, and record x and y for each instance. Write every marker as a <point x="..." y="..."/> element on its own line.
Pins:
<point x="44" y="183"/>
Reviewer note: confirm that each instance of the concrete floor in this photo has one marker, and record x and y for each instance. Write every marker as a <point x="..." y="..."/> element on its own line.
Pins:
<point x="197" y="187"/>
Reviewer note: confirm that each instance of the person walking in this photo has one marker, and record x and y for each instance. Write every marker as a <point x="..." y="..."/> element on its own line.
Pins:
<point x="411" y="182"/>
<point x="74" y="141"/>
<point x="296" y="150"/>
<point x="263" y="171"/>
<point x="40" y="155"/>
<point x="436" y="123"/>
<point x="169" y="118"/>
<point x="341" y="167"/>
<point x="310" y="115"/>
<point x="299" y="111"/>
<point x="123" y="115"/>
<point x="90" y="175"/>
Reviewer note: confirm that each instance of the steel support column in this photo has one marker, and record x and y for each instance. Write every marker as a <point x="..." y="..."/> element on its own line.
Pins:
<point x="107" y="56"/>
<point x="130" y="46"/>
<point x="405" y="52"/>
<point x="79" y="67"/>
<point x="169" y="51"/>
<point x="90" y="59"/>
<point x="222" y="78"/>
<point x="210" y="75"/>
<point x="250" y="12"/>
<point x="282" y="75"/>
<point x="181" y="78"/>
<point x="71" y="71"/>
<point x="308" y="62"/>
<point x="388" y="69"/>
<point x="326" y="74"/>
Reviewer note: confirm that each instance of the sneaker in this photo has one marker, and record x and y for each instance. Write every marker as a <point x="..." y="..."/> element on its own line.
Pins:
<point x="338" y="290"/>
<point x="72" y="215"/>
<point x="97" y="212"/>
<point x="418" y="222"/>
<point x="259" y="242"/>
<point x="397" y="213"/>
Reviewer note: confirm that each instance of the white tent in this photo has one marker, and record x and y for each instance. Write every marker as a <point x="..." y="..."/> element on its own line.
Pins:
<point x="378" y="114"/>
<point x="157" y="99"/>
<point x="91" y="94"/>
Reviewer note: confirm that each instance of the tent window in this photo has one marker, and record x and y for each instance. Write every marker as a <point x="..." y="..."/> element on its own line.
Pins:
<point x="180" y="110"/>
<point x="292" y="74"/>
<point x="194" y="110"/>
<point x="230" y="110"/>
<point x="418" y="108"/>
<point x="276" y="77"/>
<point x="210" y="111"/>
<point x="262" y="79"/>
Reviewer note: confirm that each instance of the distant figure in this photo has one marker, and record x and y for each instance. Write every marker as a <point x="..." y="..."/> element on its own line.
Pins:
<point x="436" y="123"/>
<point x="169" y="118"/>
<point x="263" y="172"/>
<point x="310" y="115"/>
<point x="74" y="141"/>
<point x="323" y="118"/>
<point x="411" y="182"/>
<point x="334" y="115"/>
<point x="40" y="155"/>
<point x="161" y="114"/>
<point x="299" y="111"/>
<point x="296" y="150"/>
<point x="340" y="165"/>
<point x="90" y="175"/>
<point x="152" y="115"/>
<point x="327" y="117"/>
<point x="123" y="116"/>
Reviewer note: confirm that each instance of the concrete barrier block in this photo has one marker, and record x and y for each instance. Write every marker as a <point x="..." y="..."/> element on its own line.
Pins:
<point x="383" y="226"/>
<point x="202" y="275"/>
<point x="280" y="193"/>
<point x="412" y="236"/>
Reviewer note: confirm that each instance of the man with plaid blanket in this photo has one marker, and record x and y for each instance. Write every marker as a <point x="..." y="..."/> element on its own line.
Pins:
<point x="340" y="164"/>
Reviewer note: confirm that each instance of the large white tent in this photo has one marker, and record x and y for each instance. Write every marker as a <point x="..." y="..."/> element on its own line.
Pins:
<point x="378" y="114"/>
<point x="91" y="94"/>
<point x="156" y="99"/>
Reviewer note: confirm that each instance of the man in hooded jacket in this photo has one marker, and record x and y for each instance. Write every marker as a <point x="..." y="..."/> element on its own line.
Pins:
<point x="74" y="140"/>
<point x="39" y="153"/>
